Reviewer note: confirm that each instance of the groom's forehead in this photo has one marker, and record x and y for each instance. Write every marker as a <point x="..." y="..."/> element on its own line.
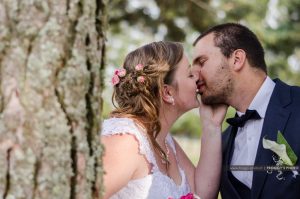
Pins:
<point x="206" y="41"/>
<point x="202" y="52"/>
<point x="204" y="45"/>
<point x="197" y="51"/>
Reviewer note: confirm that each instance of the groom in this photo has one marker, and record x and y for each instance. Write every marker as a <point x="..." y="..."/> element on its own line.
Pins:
<point x="232" y="71"/>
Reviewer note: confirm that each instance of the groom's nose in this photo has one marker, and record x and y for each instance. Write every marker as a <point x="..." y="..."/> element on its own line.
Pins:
<point x="199" y="74"/>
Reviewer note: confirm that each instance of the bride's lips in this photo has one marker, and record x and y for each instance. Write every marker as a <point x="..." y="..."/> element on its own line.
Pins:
<point x="200" y="87"/>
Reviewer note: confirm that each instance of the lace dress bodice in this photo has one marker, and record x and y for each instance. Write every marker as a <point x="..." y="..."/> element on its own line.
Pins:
<point x="155" y="185"/>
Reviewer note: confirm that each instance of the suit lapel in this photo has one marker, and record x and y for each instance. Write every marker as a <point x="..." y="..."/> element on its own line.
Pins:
<point x="230" y="145"/>
<point x="275" y="119"/>
<point x="228" y="151"/>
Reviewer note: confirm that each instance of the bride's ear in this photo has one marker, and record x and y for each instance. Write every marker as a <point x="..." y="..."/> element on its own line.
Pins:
<point x="167" y="96"/>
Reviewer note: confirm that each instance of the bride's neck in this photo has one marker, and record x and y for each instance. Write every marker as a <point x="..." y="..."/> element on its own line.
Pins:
<point x="167" y="118"/>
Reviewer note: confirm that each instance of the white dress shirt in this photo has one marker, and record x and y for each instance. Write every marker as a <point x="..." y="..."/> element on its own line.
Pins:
<point x="247" y="137"/>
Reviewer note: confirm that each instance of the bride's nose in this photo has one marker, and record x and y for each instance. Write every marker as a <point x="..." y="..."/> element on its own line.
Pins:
<point x="195" y="73"/>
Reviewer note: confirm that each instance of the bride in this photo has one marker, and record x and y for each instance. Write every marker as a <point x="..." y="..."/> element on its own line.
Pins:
<point x="155" y="86"/>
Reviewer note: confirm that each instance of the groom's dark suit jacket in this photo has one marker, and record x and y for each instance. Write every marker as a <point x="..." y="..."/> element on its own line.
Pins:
<point x="283" y="113"/>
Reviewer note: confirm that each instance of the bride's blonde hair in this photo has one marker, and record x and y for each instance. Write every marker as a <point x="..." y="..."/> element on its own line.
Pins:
<point x="141" y="100"/>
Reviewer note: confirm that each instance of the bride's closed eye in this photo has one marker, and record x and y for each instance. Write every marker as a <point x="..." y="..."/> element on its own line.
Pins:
<point x="191" y="75"/>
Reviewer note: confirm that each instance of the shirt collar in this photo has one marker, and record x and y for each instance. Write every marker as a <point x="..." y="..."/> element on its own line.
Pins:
<point x="261" y="100"/>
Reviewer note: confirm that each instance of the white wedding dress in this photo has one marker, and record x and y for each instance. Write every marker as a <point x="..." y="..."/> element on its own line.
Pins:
<point x="155" y="185"/>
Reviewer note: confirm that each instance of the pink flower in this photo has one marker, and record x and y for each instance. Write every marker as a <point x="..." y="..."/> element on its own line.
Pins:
<point x="115" y="80"/>
<point x="139" y="67"/>
<point x="120" y="72"/>
<point x="141" y="79"/>
<point x="188" y="196"/>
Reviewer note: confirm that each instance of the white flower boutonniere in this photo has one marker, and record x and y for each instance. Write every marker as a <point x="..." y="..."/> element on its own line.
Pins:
<point x="287" y="156"/>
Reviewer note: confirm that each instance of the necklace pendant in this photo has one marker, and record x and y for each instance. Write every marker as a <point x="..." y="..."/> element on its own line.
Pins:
<point x="165" y="157"/>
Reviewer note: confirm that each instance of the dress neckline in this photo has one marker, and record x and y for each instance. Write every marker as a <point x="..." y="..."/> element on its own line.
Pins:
<point x="154" y="165"/>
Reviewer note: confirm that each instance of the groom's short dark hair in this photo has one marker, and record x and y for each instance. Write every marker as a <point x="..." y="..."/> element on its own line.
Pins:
<point x="231" y="36"/>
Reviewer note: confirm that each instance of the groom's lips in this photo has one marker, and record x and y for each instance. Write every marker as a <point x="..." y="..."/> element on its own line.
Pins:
<point x="200" y="87"/>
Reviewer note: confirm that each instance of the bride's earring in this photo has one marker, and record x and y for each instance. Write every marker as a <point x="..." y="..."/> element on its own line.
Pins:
<point x="172" y="101"/>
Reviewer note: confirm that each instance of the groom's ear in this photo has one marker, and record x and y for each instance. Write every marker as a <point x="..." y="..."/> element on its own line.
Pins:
<point x="167" y="94"/>
<point x="238" y="59"/>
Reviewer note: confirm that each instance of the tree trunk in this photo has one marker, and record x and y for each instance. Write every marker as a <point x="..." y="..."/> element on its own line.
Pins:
<point x="52" y="62"/>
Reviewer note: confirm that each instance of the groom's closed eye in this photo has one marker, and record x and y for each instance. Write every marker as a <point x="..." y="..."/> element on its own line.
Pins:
<point x="199" y="61"/>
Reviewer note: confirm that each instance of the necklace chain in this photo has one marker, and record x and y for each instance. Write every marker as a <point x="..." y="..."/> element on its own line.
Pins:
<point x="165" y="158"/>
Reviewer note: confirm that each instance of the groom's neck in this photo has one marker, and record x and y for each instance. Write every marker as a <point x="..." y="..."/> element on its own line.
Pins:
<point x="246" y="88"/>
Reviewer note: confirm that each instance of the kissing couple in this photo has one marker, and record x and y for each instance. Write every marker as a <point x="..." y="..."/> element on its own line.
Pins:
<point x="157" y="84"/>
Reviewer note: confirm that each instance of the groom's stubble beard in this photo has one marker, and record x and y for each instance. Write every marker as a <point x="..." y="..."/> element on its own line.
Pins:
<point x="219" y="90"/>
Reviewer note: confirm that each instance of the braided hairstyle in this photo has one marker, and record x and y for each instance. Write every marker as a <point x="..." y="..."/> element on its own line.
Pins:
<point x="141" y="100"/>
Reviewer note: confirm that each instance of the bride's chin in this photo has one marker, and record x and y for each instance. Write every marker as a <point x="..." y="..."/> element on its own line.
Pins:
<point x="191" y="107"/>
<point x="196" y="105"/>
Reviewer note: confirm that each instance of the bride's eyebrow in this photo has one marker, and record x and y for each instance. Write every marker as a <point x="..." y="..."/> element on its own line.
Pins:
<point x="189" y="68"/>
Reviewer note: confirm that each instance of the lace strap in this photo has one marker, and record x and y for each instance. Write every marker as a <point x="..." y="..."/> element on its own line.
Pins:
<point x="171" y="143"/>
<point x="119" y="126"/>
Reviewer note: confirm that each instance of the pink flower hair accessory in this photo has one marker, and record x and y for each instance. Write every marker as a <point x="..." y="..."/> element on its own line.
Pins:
<point x="139" y="67"/>
<point x="115" y="80"/>
<point x="141" y="79"/>
<point x="121" y="72"/>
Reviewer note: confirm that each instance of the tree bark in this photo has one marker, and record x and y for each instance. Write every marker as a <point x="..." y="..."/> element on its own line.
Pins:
<point x="52" y="62"/>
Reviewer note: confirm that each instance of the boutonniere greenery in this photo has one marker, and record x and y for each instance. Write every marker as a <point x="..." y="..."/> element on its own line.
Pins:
<point x="286" y="155"/>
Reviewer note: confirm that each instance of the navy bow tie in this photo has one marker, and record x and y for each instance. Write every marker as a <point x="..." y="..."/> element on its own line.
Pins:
<point x="240" y="121"/>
